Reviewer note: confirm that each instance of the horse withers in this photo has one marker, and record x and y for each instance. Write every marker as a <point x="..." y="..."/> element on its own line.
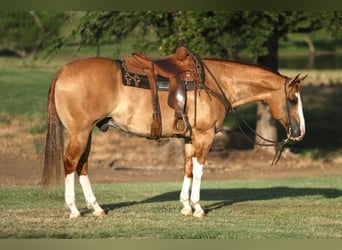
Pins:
<point x="90" y="92"/>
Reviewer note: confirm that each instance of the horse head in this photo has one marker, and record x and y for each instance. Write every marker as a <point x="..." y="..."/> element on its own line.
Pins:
<point x="287" y="108"/>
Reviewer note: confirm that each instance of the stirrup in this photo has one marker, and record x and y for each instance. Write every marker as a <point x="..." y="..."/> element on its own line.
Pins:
<point x="180" y="126"/>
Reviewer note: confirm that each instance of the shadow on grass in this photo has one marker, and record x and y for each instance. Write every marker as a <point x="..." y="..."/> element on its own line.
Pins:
<point x="226" y="197"/>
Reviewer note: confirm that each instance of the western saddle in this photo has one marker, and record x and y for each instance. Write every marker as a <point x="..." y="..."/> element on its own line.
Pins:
<point x="179" y="67"/>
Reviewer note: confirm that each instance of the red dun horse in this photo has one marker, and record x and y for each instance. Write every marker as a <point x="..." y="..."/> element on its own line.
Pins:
<point x="90" y="91"/>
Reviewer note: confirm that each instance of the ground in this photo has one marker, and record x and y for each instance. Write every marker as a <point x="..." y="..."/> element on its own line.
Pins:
<point x="118" y="157"/>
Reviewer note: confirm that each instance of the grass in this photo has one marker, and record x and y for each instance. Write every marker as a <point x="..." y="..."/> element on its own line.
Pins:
<point x="24" y="91"/>
<point x="299" y="208"/>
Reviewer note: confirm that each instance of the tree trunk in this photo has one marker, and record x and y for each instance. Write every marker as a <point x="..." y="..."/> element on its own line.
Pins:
<point x="310" y="44"/>
<point x="266" y="125"/>
<point x="40" y="37"/>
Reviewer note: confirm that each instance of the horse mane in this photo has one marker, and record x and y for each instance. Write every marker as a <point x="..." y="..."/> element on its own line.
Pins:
<point x="256" y="66"/>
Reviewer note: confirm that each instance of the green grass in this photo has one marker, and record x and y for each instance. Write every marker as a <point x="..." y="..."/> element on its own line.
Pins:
<point x="24" y="91"/>
<point x="299" y="208"/>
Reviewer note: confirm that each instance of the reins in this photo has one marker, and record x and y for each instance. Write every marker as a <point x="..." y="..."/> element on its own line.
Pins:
<point x="280" y="145"/>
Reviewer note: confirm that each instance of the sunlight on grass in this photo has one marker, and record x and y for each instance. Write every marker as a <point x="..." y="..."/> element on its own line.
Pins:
<point x="298" y="208"/>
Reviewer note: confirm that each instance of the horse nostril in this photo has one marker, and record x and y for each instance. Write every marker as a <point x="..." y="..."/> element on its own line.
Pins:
<point x="294" y="130"/>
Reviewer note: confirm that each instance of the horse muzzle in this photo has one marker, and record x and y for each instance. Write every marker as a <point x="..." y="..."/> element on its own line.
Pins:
<point x="296" y="131"/>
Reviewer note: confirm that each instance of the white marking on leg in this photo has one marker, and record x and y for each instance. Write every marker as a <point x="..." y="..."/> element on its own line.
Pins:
<point x="301" y="116"/>
<point x="89" y="195"/>
<point x="197" y="172"/>
<point x="70" y="195"/>
<point x="185" y="195"/>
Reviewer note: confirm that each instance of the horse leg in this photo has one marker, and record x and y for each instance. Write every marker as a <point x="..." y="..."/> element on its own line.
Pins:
<point x="185" y="192"/>
<point x="72" y="156"/>
<point x="194" y="171"/>
<point x="82" y="171"/>
<point x="196" y="187"/>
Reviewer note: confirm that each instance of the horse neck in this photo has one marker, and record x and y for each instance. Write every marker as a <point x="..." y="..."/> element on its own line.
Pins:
<point x="245" y="83"/>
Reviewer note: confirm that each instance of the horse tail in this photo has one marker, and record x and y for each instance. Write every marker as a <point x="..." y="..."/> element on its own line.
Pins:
<point x="54" y="145"/>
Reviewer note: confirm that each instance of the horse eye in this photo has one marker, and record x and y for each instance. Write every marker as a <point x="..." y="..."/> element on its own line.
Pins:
<point x="293" y="101"/>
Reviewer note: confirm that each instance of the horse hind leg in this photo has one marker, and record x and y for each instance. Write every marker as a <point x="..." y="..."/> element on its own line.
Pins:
<point x="82" y="171"/>
<point x="71" y="158"/>
<point x="76" y="157"/>
<point x="70" y="195"/>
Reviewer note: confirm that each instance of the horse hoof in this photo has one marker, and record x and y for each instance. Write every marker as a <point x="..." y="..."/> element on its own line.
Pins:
<point x="75" y="215"/>
<point x="186" y="211"/>
<point x="100" y="213"/>
<point x="199" y="214"/>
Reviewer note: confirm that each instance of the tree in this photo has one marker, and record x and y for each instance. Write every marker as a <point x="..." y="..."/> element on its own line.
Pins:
<point x="25" y="32"/>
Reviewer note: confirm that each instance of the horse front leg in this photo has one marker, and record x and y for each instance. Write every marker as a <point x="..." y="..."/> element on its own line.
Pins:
<point x="195" y="155"/>
<point x="187" y="181"/>
<point x="197" y="172"/>
<point x="192" y="183"/>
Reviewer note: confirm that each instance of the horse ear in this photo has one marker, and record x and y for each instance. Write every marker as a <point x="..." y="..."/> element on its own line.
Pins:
<point x="294" y="80"/>
<point x="297" y="79"/>
<point x="302" y="79"/>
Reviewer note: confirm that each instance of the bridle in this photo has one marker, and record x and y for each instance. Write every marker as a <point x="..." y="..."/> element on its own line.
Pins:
<point x="280" y="145"/>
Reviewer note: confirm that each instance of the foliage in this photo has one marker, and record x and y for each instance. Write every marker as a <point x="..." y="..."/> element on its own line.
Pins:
<point x="332" y="22"/>
<point x="218" y="33"/>
<point x="25" y="32"/>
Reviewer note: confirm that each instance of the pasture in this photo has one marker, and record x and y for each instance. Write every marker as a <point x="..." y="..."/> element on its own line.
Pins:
<point x="296" y="208"/>
<point x="247" y="206"/>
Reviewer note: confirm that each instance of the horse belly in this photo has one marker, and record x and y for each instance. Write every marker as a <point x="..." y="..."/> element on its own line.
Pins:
<point x="131" y="120"/>
<point x="134" y="112"/>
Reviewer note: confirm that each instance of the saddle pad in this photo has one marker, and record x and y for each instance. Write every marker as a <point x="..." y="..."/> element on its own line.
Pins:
<point x="133" y="79"/>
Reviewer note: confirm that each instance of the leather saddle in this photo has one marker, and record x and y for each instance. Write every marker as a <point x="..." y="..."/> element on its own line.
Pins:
<point x="171" y="66"/>
<point x="178" y="67"/>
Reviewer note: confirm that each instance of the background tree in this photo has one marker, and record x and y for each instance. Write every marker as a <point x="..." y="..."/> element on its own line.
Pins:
<point x="23" y="33"/>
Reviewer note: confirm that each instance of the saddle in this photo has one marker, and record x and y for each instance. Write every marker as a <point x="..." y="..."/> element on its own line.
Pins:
<point x="177" y="67"/>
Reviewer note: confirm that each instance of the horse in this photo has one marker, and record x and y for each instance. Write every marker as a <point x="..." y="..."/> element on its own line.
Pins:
<point x="90" y="91"/>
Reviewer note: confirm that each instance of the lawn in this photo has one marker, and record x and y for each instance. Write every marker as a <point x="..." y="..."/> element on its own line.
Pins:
<point x="298" y="208"/>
